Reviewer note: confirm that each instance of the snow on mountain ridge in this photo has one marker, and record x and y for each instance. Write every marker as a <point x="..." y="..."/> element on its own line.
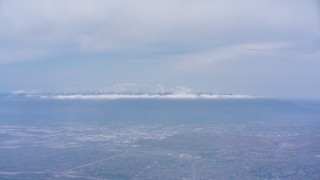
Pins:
<point x="126" y="90"/>
<point x="123" y="89"/>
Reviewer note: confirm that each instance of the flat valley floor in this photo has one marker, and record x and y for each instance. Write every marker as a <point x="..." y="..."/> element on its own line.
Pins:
<point x="159" y="139"/>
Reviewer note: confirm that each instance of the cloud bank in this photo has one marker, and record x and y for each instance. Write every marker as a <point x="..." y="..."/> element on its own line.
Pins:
<point x="254" y="47"/>
<point x="36" y="29"/>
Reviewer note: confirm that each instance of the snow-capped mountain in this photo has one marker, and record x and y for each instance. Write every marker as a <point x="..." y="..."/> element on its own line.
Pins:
<point x="127" y="90"/>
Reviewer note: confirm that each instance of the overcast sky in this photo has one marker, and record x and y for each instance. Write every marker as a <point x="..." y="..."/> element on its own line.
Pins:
<point x="257" y="47"/>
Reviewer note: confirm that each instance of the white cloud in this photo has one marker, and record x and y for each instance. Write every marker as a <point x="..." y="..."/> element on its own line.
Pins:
<point x="114" y="26"/>
<point x="235" y="52"/>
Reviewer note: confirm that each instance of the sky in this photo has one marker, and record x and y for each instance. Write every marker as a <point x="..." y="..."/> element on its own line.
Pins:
<point x="267" y="48"/>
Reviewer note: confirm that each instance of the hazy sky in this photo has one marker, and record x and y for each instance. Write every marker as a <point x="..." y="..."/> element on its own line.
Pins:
<point x="256" y="47"/>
